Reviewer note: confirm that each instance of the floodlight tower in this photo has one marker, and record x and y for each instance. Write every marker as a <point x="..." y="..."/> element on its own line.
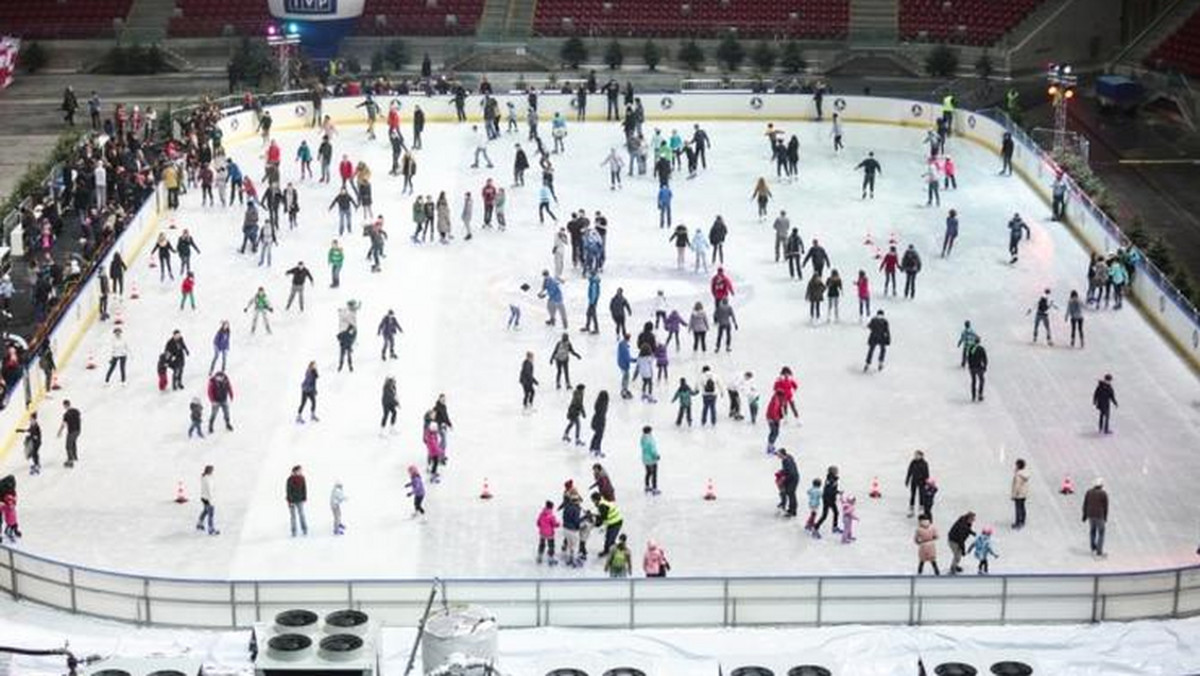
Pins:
<point x="1062" y="89"/>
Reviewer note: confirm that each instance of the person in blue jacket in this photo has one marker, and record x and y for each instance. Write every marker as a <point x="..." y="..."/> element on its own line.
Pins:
<point x="552" y="292"/>
<point x="664" y="206"/>
<point x="624" y="362"/>
<point x="234" y="176"/>
<point x="592" y="324"/>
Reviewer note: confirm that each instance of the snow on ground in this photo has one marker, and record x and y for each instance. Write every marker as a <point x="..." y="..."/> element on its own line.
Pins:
<point x="1108" y="649"/>
<point x="114" y="509"/>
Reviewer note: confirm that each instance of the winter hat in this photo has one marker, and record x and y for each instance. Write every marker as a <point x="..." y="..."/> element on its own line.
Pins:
<point x="987" y="530"/>
<point x="412" y="470"/>
<point x="569" y="484"/>
<point x="1099" y="482"/>
<point x="932" y="482"/>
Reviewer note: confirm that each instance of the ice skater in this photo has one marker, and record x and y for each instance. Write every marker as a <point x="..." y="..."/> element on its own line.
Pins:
<point x="650" y="459"/>
<point x="870" y="168"/>
<point x="1041" y="316"/>
<point x="1104" y="398"/>
<point x="547" y="523"/>
<point x="575" y="412"/>
<point x="308" y="394"/>
<point x="208" y="510"/>
<point x="337" y="496"/>
<point x="416" y="490"/>
<point x="983" y="550"/>
<point x="1016" y="226"/>
<point x="880" y="336"/>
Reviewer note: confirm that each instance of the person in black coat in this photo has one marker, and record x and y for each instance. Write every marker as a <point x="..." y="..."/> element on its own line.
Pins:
<point x="829" y="495"/>
<point x="959" y="532"/>
<point x="177" y="351"/>
<point x="599" y="421"/>
<point x="716" y="237"/>
<point x="880" y="336"/>
<point x="977" y="364"/>
<point x="520" y="164"/>
<point x="528" y="381"/>
<point x="791" y="479"/>
<point x="918" y="472"/>
<point x="1104" y="398"/>
<point x="620" y="309"/>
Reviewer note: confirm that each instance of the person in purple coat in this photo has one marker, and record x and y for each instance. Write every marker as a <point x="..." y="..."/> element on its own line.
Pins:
<point x="673" y="323"/>
<point x="416" y="489"/>
<point x="220" y="346"/>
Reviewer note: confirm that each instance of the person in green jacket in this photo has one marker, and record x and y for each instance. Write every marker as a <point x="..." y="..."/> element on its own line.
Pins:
<point x="336" y="257"/>
<point x="261" y="306"/>
<point x="650" y="458"/>
<point x="619" y="559"/>
<point x="684" y="396"/>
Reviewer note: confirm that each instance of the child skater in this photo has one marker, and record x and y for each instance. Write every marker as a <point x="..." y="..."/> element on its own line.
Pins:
<point x="416" y="490"/>
<point x="751" y="394"/>
<point x="196" y="410"/>
<point x="433" y="451"/>
<point x="684" y="394"/>
<point x="814" y="503"/>
<point x="336" y="498"/>
<point x="982" y="546"/>
<point x="848" y="519"/>
<point x="8" y="509"/>
<point x="662" y="361"/>
<point x="546" y="525"/>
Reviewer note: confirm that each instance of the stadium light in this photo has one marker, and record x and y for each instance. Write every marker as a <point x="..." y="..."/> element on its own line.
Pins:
<point x="293" y="29"/>
<point x="271" y="30"/>
<point x="1062" y="89"/>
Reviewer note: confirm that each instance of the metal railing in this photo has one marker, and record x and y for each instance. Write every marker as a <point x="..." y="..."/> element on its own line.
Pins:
<point x="618" y="603"/>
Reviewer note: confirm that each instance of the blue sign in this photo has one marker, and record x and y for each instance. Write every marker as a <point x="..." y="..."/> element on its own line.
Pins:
<point x="310" y="6"/>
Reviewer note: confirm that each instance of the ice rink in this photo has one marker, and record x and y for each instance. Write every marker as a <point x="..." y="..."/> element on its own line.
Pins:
<point x="114" y="510"/>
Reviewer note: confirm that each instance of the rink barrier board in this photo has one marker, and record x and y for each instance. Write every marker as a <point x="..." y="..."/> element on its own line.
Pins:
<point x="628" y="603"/>
<point x="78" y="320"/>
<point x="161" y="601"/>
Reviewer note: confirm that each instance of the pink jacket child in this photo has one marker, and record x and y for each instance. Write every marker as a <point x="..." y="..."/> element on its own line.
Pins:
<point x="433" y="451"/>
<point x="547" y="523"/>
<point x="948" y="170"/>
<point x="654" y="563"/>
<point x="8" y="509"/>
<point x="848" y="519"/>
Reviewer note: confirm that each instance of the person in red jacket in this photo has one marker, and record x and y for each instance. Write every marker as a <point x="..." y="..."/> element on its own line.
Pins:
<point x="346" y="170"/>
<point x="489" y="202"/>
<point x="220" y="393"/>
<point x="722" y="286"/>
<point x="274" y="154"/>
<point x="888" y="266"/>
<point x="393" y="118"/>
<point x="786" y="384"/>
<point x="863" y="285"/>
<point x="775" y="411"/>
<point x="187" y="291"/>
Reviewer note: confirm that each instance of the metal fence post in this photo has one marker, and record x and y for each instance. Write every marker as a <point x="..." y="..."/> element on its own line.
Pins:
<point x="912" y="596"/>
<point x="12" y="576"/>
<point x="537" y="604"/>
<point x="257" y="607"/>
<point x="1004" y="600"/>
<point x="71" y="579"/>
<point x="1095" y="595"/>
<point x="820" y="598"/>
<point x="232" y="605"/>
<point x="725" y="603"/>
<point x="1175" y="598"/>
<point x="631" y="595"/>
<point x="146" y="597"/>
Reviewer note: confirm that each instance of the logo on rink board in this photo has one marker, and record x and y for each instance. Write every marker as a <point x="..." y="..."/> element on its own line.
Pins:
<point x="310" y="6"/>
<point x="971" y="121"/>
<point x="667" y="103"/>
<point x="756" y="102"/>
<point x="917" y="110"/>
<point x="839" y="104"/>
<point x="301" y="110"/>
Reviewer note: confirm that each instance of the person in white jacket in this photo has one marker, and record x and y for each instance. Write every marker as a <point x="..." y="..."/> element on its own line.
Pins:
<point x="700" y="247"/>
<point x="615" y="164"/>
<point x="481" y="144"/>
<point x="206" y="499"/>
<point x="710" y="390"/>
<point x="336" y="498"/>
<point x="750" y="395"/>
<point x="118" y="354"/>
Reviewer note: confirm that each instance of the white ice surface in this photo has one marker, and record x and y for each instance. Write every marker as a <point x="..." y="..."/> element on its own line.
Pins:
<point x="1145" y="648"/>
<point x="114" y="509"/>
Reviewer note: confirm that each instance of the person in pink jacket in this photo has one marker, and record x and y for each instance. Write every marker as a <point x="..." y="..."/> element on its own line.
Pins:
<point x="864" y="295"/>
<point x="8" y="509"/>
<point x="547" y="523"/>
<point x="434" y="452"/>
<point x="654" y="563"/>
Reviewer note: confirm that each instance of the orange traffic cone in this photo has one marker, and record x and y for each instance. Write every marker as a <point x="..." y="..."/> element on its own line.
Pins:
<point x="878" y="253"/>
<point x="893" y="239"/>
<point x="153" y="264"/>
<point x="91" y="362"/>
<point x="172" y="225"/>
<point x="709" y="493"/>
<point x="875" y="492"/>
<point x="54" y="382"/>
<point x="868" y="241"/>
<point x="133" y="291"/>
<point x="1068" y="486"/>
<point x="180" y="494"/>
<point x="486" y="493"/>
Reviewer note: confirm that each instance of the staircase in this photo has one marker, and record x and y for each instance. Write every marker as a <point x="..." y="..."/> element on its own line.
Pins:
<point x="520" y="18"/>
<point x="491" y="21"/>
<point x="147" y="21"/>
<point x="874" y="21"/>
<point x="1160" y="29"/>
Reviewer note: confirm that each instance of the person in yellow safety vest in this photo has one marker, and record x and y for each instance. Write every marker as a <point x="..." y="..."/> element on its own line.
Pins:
<point x="609" y="516"/>
<point x="948" y="113"/>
